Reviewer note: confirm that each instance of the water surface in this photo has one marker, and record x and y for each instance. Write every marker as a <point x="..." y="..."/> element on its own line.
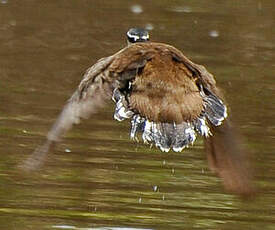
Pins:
<point x="97" y="178"/>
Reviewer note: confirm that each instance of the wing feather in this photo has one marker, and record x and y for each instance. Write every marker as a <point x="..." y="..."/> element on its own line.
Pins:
<point x="97" y="86"/>
<point x="91" y="94"/>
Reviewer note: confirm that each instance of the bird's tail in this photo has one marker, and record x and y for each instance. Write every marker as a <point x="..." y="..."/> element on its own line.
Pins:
<point x="229" y="160"/>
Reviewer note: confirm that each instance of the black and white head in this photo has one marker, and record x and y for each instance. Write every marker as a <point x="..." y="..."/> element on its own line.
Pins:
<point x="137" y="35"/>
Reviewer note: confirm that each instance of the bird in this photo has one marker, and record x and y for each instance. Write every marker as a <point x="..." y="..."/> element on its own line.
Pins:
<point x="169" y="100"/>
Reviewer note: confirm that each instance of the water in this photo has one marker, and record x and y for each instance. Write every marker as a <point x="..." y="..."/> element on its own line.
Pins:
<point x="97" y="178"/>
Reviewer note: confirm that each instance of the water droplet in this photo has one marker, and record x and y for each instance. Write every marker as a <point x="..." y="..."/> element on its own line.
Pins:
<point x="137" y="9"/>
<point x="139" y="200"/>
<point x="173" y="170"/>
<point x="64" y="226"/>
<point x="186" y="9"/>
<point x="182" y="9"/>
<point x="214" y="33"/>
<point x="13" y="22"/>
<point x="67" y="151"/>
<point x="155" y="188"/>
<point x="149" y="26"/>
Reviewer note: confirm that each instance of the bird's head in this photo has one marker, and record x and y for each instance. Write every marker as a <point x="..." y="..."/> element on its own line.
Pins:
<point x="137" y="35"/>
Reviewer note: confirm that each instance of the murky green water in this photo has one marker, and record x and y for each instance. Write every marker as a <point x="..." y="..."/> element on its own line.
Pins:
<point x="97" y="177"/>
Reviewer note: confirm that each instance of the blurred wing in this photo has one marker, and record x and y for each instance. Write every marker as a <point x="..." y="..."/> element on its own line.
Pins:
<point x="91" y="94"/>
<point x="228" y="159"/>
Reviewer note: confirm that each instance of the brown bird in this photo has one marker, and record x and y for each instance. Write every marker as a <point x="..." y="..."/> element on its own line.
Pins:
<point x="168" y="98"/>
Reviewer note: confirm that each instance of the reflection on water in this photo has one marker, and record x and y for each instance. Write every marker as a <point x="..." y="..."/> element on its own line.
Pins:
<point x="97" y="177"/>
<point x="103" y="228"/>
<point x="137" y="9"/>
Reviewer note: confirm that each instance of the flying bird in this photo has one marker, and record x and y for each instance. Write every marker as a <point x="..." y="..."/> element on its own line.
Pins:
<point x="170" y="101"/>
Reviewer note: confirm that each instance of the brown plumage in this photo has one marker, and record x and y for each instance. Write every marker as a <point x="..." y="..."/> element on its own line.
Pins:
<point x="165" y="89"/>
<point x="169" y="99"/>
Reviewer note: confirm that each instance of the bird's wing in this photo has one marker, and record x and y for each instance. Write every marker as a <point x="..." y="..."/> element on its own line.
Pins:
<point x="155" y="95"/>
<point x="97" y="85"/>
<point x="90" y="95"/>
<point x="226" y="156"/>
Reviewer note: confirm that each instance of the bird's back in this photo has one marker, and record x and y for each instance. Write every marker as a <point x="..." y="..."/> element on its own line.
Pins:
<point x="164" y="90"/>
<point x="170" y="99"/>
